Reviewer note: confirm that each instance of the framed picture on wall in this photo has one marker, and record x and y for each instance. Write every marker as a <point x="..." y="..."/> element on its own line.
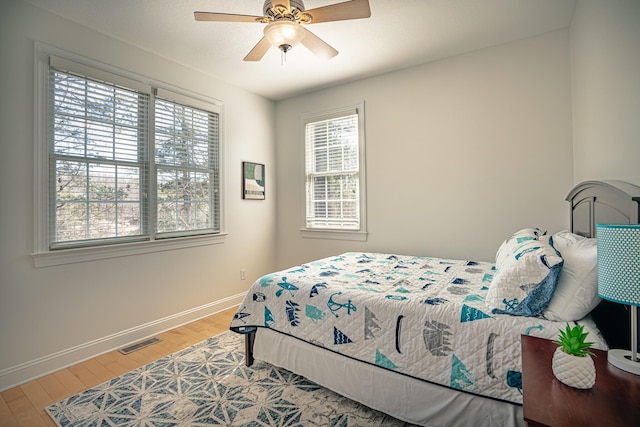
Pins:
<point x="252" y="181"/>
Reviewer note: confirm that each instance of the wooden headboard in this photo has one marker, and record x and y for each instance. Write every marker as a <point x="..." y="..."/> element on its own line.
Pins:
<point x="606" y="202"/>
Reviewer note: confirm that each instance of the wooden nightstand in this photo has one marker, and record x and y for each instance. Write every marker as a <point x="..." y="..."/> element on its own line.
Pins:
<point x="613" y="401"/>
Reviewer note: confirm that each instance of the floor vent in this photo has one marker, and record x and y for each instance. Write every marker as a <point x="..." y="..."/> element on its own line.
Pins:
<point x="139" y="345"/>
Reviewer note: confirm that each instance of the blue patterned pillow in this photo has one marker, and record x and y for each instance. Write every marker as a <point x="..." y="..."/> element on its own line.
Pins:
<point x="524" y="284"/>
<point x="508" y="247"/>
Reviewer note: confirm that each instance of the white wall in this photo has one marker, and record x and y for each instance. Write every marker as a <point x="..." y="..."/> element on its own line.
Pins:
<point x="460" y="153"/>
<point x="605" y="60"/>
<point x="46" y="312"/>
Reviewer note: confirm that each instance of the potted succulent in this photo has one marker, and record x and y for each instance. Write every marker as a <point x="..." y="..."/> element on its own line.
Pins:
<point x="572" y="363"/>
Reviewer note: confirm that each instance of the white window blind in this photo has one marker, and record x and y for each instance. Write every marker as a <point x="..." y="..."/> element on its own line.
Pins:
<point x="98" y="153"/>
<point x="187" y="169"/>
<point x="333" y="172"/>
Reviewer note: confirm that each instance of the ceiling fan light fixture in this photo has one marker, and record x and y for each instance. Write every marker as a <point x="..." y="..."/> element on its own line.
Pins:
<point x="286" y="24"/>
<point x="284" y="34"/>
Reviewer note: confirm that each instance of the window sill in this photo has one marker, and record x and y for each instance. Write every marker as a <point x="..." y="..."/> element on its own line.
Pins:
<point x="70" y="256"/>
<point x="357" y="236"/>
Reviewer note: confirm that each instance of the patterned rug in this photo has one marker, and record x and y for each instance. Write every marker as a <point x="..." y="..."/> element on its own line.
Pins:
<point x="208" y="384"/>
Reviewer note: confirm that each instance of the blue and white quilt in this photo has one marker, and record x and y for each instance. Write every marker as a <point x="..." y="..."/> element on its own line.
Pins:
<point x="421" y="317"/>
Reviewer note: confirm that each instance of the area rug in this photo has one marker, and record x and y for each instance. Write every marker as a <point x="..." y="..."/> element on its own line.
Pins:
<point x="208" y="384"/>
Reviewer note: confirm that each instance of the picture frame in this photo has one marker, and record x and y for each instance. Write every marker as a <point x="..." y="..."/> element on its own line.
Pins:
<point x="253" y="175"/>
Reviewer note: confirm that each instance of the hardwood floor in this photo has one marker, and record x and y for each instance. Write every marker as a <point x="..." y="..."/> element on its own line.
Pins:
<point x="24" y="405"/>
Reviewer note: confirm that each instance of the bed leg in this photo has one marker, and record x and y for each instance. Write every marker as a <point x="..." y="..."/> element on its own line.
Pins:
<point x="248" y="348"/>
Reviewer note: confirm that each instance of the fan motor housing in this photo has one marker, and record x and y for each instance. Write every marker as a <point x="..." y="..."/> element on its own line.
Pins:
<point x="294" y="4"/>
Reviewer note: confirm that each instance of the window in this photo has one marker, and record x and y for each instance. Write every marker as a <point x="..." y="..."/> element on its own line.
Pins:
<point x="122" y="162"/>
<point x="186" y="160"/>
<point x="334" y="174"/>
<point x="98" y="155"/>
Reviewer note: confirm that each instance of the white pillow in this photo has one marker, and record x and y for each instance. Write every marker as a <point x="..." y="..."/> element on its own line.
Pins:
<point x="524" y="284"/>
<point x="577" y="290"/>
<point x="507" y="247"/>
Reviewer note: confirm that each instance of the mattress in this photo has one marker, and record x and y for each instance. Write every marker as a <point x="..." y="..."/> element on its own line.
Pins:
<point x="423" y="318"/>
<point x="405" y="398"/>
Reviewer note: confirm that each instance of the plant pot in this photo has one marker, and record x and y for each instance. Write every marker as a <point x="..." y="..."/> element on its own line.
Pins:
<point x="574" y="371"/>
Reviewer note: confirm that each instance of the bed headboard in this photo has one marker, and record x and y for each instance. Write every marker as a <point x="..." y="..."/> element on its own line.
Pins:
<point x="606" y="202"/>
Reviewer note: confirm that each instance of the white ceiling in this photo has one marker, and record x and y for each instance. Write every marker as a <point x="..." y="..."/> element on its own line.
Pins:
<point x="399" y="34"/>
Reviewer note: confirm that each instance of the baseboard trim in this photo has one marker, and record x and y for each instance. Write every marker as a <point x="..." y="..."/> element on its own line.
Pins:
<point x="24" y="372"/>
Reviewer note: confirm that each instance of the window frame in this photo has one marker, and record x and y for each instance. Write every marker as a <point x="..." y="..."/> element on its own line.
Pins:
<point x="361" y="233"/>
<point x="42" y="255"/>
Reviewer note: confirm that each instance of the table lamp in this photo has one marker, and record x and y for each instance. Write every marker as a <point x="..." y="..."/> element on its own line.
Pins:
<point x="619" y="281"/>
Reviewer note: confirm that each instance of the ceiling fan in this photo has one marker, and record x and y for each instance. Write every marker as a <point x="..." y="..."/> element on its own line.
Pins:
<point x="286" y="24"/>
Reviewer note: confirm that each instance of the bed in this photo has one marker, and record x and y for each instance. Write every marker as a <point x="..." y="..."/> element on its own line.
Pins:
<point x="434" y="341"/>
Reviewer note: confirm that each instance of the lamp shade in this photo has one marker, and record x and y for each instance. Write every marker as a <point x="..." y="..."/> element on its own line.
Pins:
<point x="619" y="263"/>
<point x="287" y="33"/>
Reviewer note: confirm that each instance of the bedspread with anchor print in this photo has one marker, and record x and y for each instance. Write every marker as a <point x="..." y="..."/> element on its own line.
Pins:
<point x="421" y="317"/>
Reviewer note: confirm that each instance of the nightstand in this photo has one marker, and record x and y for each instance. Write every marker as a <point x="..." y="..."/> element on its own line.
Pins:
<point x="613" y="401"/>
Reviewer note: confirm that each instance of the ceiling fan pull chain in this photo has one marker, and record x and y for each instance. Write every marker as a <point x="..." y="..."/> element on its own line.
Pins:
<point x="284" y="48"/>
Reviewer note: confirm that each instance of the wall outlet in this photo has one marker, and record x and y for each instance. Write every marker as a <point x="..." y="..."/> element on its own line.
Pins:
<point x="243" y="274"/>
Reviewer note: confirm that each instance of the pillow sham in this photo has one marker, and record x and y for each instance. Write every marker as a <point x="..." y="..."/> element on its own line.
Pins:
<point x="576" y="293"/>
<point x="524" y="284"/>
<point x="508" y="247"/>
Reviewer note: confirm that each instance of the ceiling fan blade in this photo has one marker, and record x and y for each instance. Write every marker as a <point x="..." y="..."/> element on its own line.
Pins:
<point x="318" y="46"/>
<point x="354" y="9"/>
<point x="225" y="17"/>
<point x="258" y="50"/>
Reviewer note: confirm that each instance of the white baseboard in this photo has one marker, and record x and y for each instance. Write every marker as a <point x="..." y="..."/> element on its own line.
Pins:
<point x="28" y="371"/>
